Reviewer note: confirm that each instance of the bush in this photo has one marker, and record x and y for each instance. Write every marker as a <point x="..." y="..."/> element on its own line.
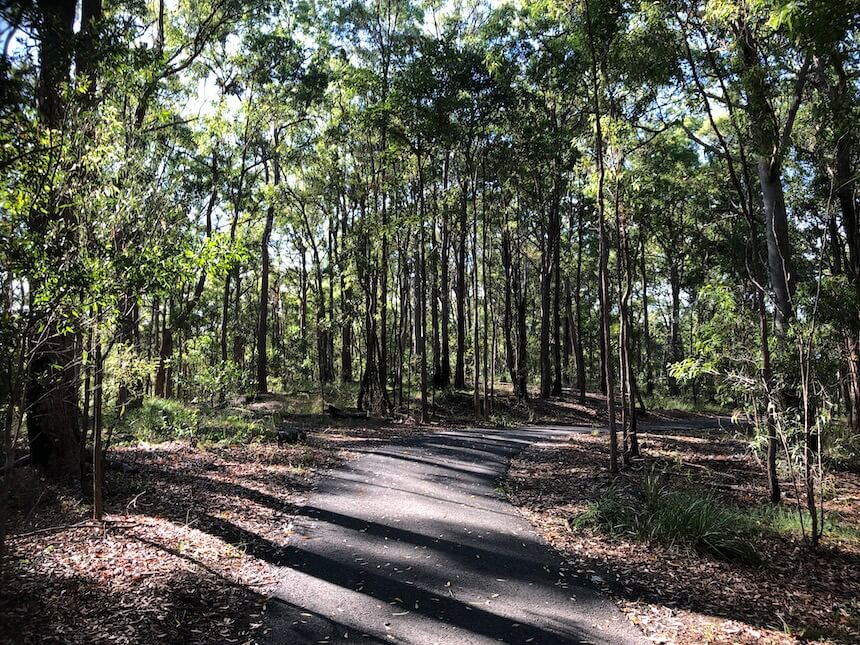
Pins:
<point x="162" y="420"/>
<point x="230" y="429"/>
<point x="700" y="521"/>
<point x="166" y="419"/>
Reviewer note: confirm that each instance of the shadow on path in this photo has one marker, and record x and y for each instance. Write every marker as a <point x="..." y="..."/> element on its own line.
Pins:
<point x="412" y="543"/>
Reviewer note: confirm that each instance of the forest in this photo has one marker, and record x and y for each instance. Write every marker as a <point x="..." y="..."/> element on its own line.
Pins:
<point x="244" y="244"/>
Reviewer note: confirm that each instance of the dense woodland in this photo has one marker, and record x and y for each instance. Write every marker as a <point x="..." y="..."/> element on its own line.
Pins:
<point x="393" y="200"/>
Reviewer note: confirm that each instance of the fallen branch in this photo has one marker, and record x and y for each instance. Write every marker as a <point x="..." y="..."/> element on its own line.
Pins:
<point x="20" y="461"/>
<point x="337" y="413"/>
<point x="104" y="524"/>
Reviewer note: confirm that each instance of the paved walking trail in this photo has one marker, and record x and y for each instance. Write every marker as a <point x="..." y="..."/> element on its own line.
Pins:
<point x="412" y="543"/>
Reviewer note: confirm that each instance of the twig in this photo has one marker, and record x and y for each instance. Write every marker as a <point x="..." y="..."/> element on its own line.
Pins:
<point x="120" y="524"/>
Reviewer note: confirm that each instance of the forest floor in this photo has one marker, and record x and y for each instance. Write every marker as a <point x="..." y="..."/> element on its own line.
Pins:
<point x="177" y="562"/>
<point x="672" y="592"/>
<point x="172" y="562"/>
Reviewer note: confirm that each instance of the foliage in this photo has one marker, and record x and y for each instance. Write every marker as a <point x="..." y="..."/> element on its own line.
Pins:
<point x="160" y="420"/>
<point x="688" y="519"/>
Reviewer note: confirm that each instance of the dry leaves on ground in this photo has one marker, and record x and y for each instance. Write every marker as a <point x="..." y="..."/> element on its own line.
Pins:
<point x="673" y="594"/>
<point x="190" y="549"/>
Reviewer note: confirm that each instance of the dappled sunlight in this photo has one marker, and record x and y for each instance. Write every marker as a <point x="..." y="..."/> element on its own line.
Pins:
<point x="671" y="592"/>
<point x="438" y="555"/>
<point x="164" y="554"/>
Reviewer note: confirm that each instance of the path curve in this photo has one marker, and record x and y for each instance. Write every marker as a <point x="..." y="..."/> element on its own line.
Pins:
<point x="413" y="543"/>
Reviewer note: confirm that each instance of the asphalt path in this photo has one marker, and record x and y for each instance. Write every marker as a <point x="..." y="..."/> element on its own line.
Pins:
<point x="412" y="542"/>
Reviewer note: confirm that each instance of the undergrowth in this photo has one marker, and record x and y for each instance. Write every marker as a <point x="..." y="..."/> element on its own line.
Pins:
<point x="681" y="404"/>
<point x="158" y="420"/>
<point x="700" y="521"/>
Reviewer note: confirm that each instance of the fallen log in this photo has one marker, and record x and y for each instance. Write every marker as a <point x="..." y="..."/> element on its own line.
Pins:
<point x="337" y="413"/>
<point x="290" y="435"/>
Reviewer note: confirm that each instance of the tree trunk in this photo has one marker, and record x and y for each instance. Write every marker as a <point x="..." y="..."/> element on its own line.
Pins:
<point x="263" y="313"/>
<point x="507" y="316"/>
<point x="646" y="328"/>
<point x="460" y="365"/>
<point x="444" y="377"/>
<point x="577" y="299"/>
<point x="476" y="339"/>
<point x="546" y="308"/>
<point x="556" y="313"/>
<point x="603" y="270"/>
<point x="163" y="380"/>
<point x="767" y="378"/>
<point x="675" y="349"/>
<point x="434" y="299"/>
<point x="421" y="276"/>
<point x="53" y="416"/>
<point x="778" y="249"/>
<point x="98" y="425"/>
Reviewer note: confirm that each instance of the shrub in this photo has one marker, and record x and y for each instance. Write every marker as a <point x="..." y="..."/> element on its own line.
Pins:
<point x="162" y="420"/>
<point x="230" y="429"/>
<point x="700" y="521"/>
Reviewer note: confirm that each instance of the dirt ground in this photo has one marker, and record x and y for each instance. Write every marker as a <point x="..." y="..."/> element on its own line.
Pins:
<point x="178" y="559"/>
<point x="673" y="594"/>
<point x="187" y="553"/>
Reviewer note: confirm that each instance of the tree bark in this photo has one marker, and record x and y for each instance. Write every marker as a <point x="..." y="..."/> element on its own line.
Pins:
<point x="460" y="365"/>
<point x="609" y="374"/>
<point x="262" y="319"/>
<point x="646" y="326"/>
<point x="53" y="416"/>
<point x="444" y="376"/>
<point x="577" y="299"/>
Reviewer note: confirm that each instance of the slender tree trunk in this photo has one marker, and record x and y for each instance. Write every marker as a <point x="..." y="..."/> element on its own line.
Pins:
<point x="486" y="280"/>
<point x="646" y="326"/>
<point x="435" y="297"/>
<point x="675" y="349"/>
<point x="303" y="295"/>
<point x="767" y="378"/>
<point x="444" y="379"/>
<point x="383" y="300"/>
<point x="460" y="366"/>
<point x="609" y="375"/>
<point x="577" y="298"/>
<point x="520" y="279"/>
<point x="238" y="338"/>
<point x="778" y="247"/>
<point x="421" y="274"/>
<point x="262" y="320"/>
<point x="546" y="307"/>
<point x="476" y="339"/>
<point x="507" y="314"/>
<point x="98" y="424"/>
<point x="556" y="314"/>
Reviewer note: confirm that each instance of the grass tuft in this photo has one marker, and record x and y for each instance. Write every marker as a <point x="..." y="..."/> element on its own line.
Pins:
<point x="786" y="521"/>
<point x="158" y="420"/>
<point x="700" y="521"/>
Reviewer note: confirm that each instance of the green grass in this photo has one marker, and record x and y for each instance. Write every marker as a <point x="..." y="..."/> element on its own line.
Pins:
<point x="666" y="402"/>
<point x="158" y="420"/>
<point x="785" y="521"/>
<point x="699" y="521"/>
